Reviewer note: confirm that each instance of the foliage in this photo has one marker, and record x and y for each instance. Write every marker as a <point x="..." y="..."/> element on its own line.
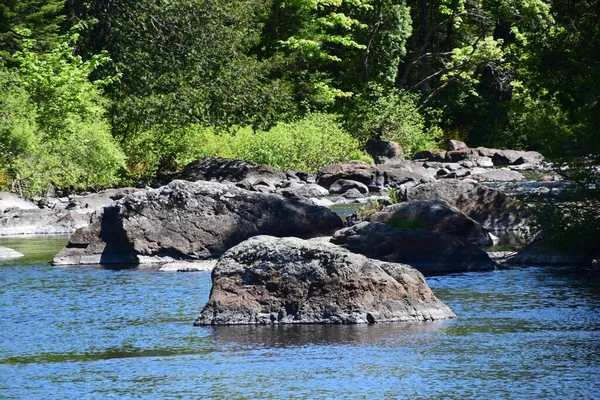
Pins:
<point x="54" y="129"/>
<point x="305" y="145"/>
<point x="573" y="225"/>
<point x="392" y="115"/>
<point x="22" y="20"/>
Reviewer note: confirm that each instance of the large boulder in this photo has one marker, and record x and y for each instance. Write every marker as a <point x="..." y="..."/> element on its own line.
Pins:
<point x="516" y="157"/>
<point x="354" y="170"/>
<point x="491" y="208"/>
<point x="402" y="173"/>
<point x="341" y="186"/>
<point x="456" y="145"/>
<point x="429" y="252"/>
<point x="190" y="220"/>
<point x="7" y="253"/>
<point x="268" y="280"/>
<point x="247" y="174"/>
<point x="435" y="216"/>
<point x="383" y="151"/>
<point x="542" y="252"/>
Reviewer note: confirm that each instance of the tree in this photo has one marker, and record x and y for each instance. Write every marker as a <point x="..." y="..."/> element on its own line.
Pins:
<point x="54" y="131"/>
<point x="20" y="20"/>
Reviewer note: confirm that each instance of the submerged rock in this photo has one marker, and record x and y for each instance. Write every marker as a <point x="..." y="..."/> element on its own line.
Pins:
<point x="268" y="280"/>
<point x="429" y="252"/>
<point x="435" y="216"/>
<point x="7" y="253"/>
<point x="190" y="220"/>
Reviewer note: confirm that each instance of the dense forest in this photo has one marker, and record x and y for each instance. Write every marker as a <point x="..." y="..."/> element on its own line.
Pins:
<point x="98" y="93"/>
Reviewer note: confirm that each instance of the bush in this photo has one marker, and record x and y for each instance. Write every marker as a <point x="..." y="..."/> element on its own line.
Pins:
<point x="392" y="115"/>
<point x="305" y="145"/>
<point x="53" y="129"/>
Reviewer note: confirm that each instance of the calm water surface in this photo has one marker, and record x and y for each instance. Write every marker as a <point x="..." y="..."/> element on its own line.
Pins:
<point x="99" y="333"/>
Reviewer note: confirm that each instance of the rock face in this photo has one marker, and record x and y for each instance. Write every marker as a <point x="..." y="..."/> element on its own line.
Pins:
<point x="429" y="252"/>
<point x="248" y="174"/>
<point x="267" y="280"/>
<point x="434" y="216"/>
<point x="190" y="220"/>
<point x="8" y="253"/>
<point x="492" y="209"/>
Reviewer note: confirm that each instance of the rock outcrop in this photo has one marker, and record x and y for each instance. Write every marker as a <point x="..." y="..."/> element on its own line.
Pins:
<point x="429" y="252"/>
<point x="247" y="174"/>
<point x="492" y="209"/>
<point x="268" y="280"/>
<point x="190" y="220"/>
<point x="58" y="216"/>
<point x="434" y="216"/>
<point x="542" y="252"/>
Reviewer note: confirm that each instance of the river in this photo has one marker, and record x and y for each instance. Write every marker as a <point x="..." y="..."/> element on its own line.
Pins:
<point x="90" y="332"/>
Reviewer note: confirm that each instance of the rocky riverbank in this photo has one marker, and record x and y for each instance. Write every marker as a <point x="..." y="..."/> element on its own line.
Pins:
<point x="263" y="224"/>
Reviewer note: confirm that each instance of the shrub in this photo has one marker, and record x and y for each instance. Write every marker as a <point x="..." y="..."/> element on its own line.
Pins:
<point x="305" y="145"/>
<point x="53" y="127"/>
<point x="392" y="115"/>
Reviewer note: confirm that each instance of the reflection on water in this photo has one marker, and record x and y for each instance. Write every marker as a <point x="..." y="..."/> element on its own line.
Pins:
<point x="314" y="335"/>
<point x="102" y="333"/>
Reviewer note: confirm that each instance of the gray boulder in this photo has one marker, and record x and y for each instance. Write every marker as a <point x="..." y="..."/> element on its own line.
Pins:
<point x="267" y="280"/>
<point x="355" y="170"/>
<point x="429" y="252"/>
<point x="434" y="216"/>
<point x="400" y="173"/>
<point x="491" y="208"/>
<point x="343" y="185"/>
<point x="304" y="191"/>
<point x="190" y="220"/>
<point x="541" y="252"/>
<point x="502" y="175"/>
<point x="516" y="157"/>
<point x="7" y="253"/>
<point x="383" y="151"/>
<point x="454" y="145"/>
<point x="249" y="175"/>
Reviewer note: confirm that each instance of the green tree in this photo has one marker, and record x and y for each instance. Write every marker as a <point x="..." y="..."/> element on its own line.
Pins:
<point x="182" y="63"/>
<point x="54" y="131"/>
<point x="29" y="19"/>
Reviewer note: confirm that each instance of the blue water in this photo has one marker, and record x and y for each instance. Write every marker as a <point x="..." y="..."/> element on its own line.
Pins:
<point x="89" y="332"/>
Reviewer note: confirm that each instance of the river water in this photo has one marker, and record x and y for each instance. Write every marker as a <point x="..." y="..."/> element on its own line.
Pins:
<point x="89" y="332"/>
